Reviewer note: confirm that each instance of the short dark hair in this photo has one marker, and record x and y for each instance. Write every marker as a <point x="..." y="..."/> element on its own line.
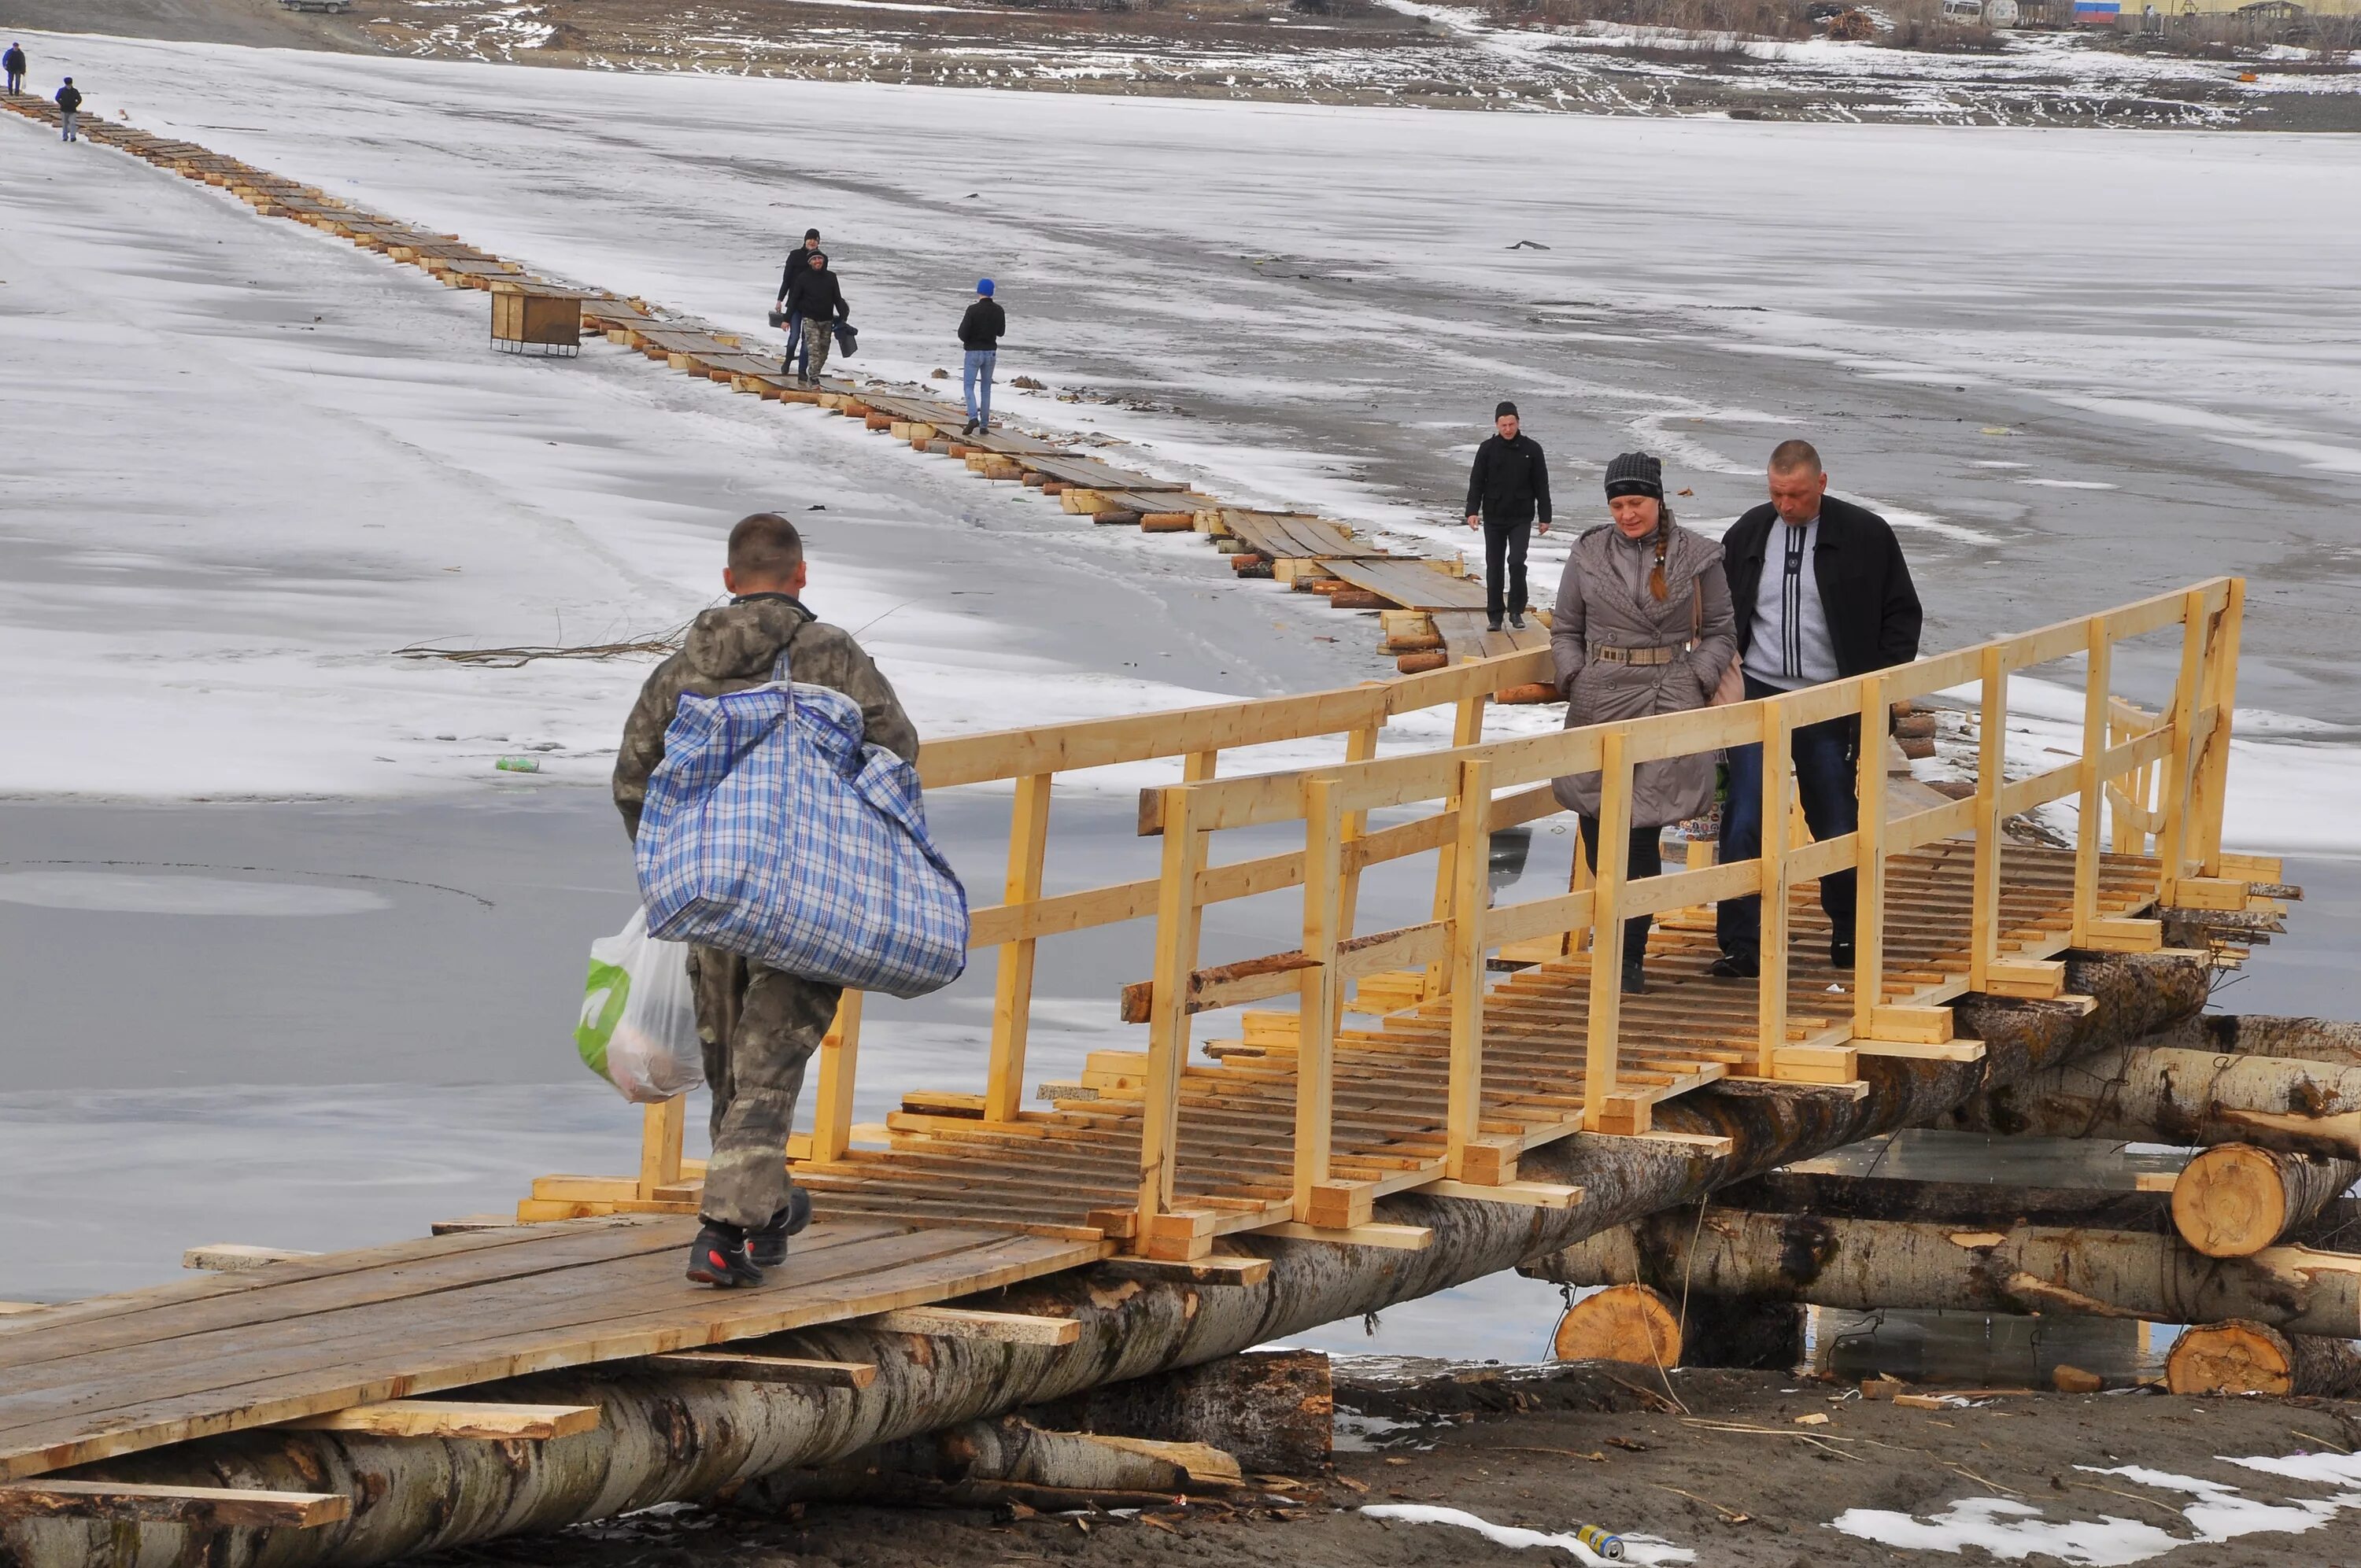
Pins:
<point x="1796" y="457"/>
<point x="766" y="548"/>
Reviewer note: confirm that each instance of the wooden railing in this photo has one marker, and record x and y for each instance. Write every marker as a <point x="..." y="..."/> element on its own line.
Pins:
<point x="2157" y="778"/>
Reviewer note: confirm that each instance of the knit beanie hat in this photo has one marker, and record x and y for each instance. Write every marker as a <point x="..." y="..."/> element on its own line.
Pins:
<point x="811" y="234"/>
<point x="983" y="287"/>
<point x="1635" y="474"/>
<point x="1506" y="410"/>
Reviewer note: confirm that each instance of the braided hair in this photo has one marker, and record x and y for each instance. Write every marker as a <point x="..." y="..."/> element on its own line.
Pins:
<point x="1657" y="588"/>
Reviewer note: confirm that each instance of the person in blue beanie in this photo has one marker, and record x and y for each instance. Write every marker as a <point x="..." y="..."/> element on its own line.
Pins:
<point x="980" y="333"/>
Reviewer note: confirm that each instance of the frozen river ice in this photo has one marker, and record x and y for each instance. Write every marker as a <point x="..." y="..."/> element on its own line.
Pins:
<point x="243" y="462"/>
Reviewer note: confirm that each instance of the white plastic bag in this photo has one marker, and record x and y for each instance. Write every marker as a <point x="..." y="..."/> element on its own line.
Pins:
<point x="638" y="1026"/>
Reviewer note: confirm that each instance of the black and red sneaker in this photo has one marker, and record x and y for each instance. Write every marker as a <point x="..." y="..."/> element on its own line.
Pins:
<point x="719" y="1257"/>
<point x="768" y="1246"/>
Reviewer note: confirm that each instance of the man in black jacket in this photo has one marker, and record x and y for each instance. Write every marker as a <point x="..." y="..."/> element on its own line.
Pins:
<point x="981" y="330"/>
<point x="1508" y="483"/>
<point x="798" y="259"/>
<point x="1821" y="593"/>
<point x="68" y="102"/>
<point x="15" y="63"/>
<point x="816" y="296"/>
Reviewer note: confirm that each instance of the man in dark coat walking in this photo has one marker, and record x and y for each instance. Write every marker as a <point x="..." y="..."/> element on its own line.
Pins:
<point x="69" y="101"/>
<point x="798" y="259"/>
<point x="759" y="1026"/>
<point x="979" y="331"/>
<point x="1821" y="593"/>
<point x="816" y="296"/>
<point x="15" y="63"/>
<point x="1507" y="488"/>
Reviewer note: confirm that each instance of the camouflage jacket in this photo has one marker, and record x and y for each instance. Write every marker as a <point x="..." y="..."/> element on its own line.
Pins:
<point x="733" y="647"/>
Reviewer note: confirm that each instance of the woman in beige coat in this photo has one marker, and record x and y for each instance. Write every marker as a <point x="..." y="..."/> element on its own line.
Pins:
<point x="1643" y="626"/>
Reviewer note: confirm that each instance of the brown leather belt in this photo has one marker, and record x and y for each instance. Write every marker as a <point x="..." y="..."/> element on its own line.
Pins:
<point x="1607" y="655"/>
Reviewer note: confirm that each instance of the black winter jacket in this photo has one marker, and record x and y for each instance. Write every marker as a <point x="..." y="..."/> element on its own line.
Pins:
<point x="13" y="62"/>
<point x="1509" y="481"/>
<point x="798" y="263"/>
<point x="69" y="99"/>
<point x="1865" y="589"/>
<point x="816" y="296"/>
<point x="983" y="325"/>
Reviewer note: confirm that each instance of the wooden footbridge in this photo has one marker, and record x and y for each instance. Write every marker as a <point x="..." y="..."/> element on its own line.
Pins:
<point x="1423" y="1063"/>
<point x="1430" y="613"/>
<point x="1286" y="1135"/>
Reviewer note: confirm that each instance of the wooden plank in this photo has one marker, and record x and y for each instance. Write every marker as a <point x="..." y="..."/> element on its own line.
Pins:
<point x="1393" y="1238"/>
<point x="960" y="1322"/>
<point x="1208" y="1270"/>
<point x="747" y="1366"/>
<point x="453" y="1418"/>
<point x="202" y="1508"/>
<point x="236" y="1257"/>
<point x="1410" y="585"/>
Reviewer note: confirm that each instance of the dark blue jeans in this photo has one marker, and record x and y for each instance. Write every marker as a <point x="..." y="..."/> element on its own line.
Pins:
<point x="796" y="349"/>
<point x="1825" y="759"/>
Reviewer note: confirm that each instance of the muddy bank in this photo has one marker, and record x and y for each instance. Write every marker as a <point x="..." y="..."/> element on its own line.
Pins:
<point x="1732" y="1479"/>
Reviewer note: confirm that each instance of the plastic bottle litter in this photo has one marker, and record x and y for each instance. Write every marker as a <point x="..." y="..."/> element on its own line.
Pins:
<point x="1605" y="1542"/>
<point x="519" y="764"/>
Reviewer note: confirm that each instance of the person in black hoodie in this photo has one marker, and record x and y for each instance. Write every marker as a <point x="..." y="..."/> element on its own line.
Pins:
<point x="1821" y="593"/>
<point x="15" y="63"/>
<point x="798" y="259"/>
<point x="1507" y="486"/>
<point x="816" y="296"/>
<point x="68" y="102"/>
<point x="980" y="333"/>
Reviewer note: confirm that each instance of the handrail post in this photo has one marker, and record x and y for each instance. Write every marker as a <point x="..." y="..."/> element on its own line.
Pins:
<point x="1473" y="845"/>
<point x="2214" y="764"/>
<point x="1466" y="729"/>
<point x="1319" y="988"/>
<point x="839" y="1059"/>
<point x="1869" y="860"/>
<point x="1360" y="746"/>
<point x="1992" y="753"/>
<point x="2098" y="672"/>
<point x="1012" y="1001"/>
<point x="2172" y="839"/>
<point x="1778" y="795"/>
<point x="1607" y="930"/>
<point x="1168" y="1021"/>
<point x="662" y="1127"/>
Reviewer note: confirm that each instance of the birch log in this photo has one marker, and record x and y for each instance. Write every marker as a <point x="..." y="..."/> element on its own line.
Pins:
<point x="2235" y="1200"/>
<point x="666" y="1438"/>
<point x="2172" y="1095"/>
<point x="1862" y="1264"/>
<point x="2241" y="1357"/>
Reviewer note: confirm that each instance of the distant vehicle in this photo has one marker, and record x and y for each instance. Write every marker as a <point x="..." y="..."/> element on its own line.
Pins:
<point x="1825" y="10"/>
<point x="333" y="8"/>
<point x="1966" y="13"/>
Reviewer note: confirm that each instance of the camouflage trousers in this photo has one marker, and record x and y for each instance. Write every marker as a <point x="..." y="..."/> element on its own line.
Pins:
<point x="819" y="337"/>
<point x="758" y="1028"/>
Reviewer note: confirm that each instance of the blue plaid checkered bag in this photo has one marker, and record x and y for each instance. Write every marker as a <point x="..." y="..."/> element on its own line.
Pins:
<point x="771" y="831"/>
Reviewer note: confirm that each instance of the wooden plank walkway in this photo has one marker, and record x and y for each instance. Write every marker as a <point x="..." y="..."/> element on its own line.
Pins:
<point x="225" y="1353"/>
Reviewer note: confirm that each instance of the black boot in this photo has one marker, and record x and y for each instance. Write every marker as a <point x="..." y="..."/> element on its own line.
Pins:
<point x="719" y="1257"/>
<point x="1635" y="976"/>
<point x="768" y="1246"/>
<point x="1840" y="952"/>
<point x="1517" y="619"/>
<point x="1736" y="966"/>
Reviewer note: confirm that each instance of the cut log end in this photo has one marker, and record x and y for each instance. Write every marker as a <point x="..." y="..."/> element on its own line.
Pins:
<point x="2244" y="1357"/>
<point x="2235" y="1200"/>
<point x="1622" y="1322"/>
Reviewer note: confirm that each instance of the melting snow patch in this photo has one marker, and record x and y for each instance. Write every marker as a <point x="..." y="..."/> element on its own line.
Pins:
<point x="2013" y="1531"/>
<point x="1639" y="1549"/>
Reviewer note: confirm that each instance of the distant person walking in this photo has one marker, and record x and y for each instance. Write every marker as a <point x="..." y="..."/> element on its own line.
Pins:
<point x="1643" y="626"/>
<point x="15" y="64"/>
<point x="1821" y="593"/>
<point x="759" y="1024"/>
<point x="796" y="258"/>
<point x="1507" y="488"/>
<point x="816" y="297"/>
<point x="68" y="102"/>
<point x="980" y="333"/>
